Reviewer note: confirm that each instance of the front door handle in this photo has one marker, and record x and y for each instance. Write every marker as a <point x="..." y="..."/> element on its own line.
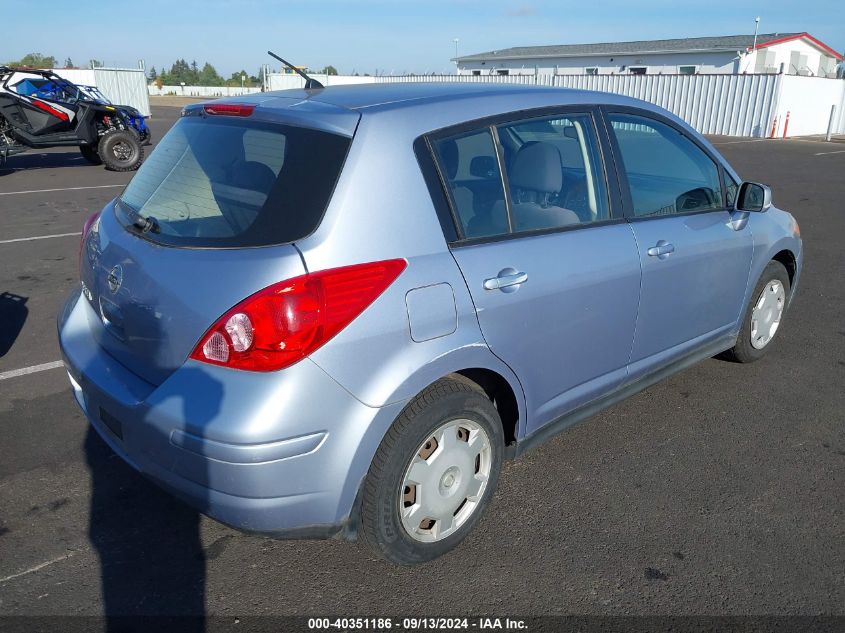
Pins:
<point x="506" y="278"/>
<point x="661" y="250"/>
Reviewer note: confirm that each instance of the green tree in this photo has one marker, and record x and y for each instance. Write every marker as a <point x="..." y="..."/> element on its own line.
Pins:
<point x="180" y="72"/>
<point x="235" y="79"/>
<point x="68" y="63"/>
<point x="35" y="60"/>
<point x="209" y="76"/>
<point x="153" y="74"/>
<point x="329" y="70"/>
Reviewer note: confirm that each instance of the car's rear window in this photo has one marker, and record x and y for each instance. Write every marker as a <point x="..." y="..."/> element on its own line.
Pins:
<point x="228" y="182"/>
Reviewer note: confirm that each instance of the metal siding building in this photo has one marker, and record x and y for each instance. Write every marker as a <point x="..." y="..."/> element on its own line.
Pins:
<point x="794" y="53"/>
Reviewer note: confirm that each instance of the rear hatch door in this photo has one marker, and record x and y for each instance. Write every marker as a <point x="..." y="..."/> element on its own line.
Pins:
<point x="207" y="221"/>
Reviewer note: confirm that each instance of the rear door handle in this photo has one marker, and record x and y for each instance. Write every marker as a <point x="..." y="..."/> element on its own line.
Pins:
<point x="506" y="278"/>
<point x="662" y="249"/>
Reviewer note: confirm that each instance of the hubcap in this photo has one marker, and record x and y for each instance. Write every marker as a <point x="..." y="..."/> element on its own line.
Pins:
<point x="765" y="318"/>
<point x="122" y="151"/>
<point x="445" y="481"/>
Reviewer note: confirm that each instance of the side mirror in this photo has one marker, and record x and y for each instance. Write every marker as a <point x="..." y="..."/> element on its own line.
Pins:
<point x="753" y="196"/>
<point x="484" y="167"/>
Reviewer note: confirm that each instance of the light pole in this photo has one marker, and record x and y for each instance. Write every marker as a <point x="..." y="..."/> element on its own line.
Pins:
<point x="756" y="28"/>
<point x="456" y="40"/>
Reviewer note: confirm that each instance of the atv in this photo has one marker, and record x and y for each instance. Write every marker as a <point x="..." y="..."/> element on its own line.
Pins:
<point x="41" y="109"/>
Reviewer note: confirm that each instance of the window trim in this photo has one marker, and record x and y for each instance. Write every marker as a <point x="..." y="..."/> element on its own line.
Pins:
<point x="614" y="194"/>
<point x="441" y="196"/>
<point x="503" y="175"/>
<point x="622" y="174"/>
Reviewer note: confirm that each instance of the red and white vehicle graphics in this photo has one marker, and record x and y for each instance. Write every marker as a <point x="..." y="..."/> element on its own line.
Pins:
<point x="52" y="108"/>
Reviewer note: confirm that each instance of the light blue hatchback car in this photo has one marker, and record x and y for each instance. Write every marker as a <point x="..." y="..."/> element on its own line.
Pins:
<point x="334" y="313"/>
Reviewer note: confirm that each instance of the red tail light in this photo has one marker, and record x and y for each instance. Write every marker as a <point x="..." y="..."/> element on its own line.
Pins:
<point x="86" y="228"/>
<point x="229" y="109"/>
<point x="282" y="324"/>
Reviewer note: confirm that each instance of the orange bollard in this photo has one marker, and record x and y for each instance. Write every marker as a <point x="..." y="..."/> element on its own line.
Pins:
<point x="786" y="125"/>
<point x="774" y="127"/>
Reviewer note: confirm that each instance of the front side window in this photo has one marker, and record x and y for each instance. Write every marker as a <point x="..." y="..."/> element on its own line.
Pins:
<point x="686" y="70"/>
<point x="731" y="188"/>
<point x="591" y="71"/>
<point x="667" y="172"/>
<point x="637" y="70"/>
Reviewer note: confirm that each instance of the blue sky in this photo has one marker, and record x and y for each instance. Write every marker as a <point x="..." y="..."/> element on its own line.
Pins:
<point x="378" y="35"/>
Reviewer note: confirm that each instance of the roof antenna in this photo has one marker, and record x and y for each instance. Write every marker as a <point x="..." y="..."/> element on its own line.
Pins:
<point x="310" y="84"/>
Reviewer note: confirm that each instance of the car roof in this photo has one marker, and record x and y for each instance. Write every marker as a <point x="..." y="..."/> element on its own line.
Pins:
<point x="384" y="96"/>
<point x="435" y="105"/>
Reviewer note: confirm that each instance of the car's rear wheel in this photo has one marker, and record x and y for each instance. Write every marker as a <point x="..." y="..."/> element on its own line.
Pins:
<point x="434" y="473"/>
<point x="121" y="150"/>
<point x="89" y="152"/>
<point x="763" y="316"/>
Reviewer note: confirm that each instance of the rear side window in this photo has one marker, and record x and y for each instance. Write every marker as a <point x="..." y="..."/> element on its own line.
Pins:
<point x="667" y="173"/>
<point x="553" y="171"/>
<point x="225" y="182"/>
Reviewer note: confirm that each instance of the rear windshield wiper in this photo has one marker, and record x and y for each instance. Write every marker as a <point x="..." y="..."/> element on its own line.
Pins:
<point x="145" y="224"/>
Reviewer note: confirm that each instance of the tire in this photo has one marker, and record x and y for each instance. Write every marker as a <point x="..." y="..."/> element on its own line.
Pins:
<point x="90" y="154"/>
<point x="121" y="150"/>
<point x="458" y="413"/>
<point x="751" y="344"/>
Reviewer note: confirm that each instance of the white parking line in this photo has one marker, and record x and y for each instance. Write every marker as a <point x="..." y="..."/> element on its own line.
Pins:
<point x="15" y="193"/>
<point x="32" y="369"/>
<point x="40" y="237"/>
<point x="751" y="140"/>
<point x="37" y="567"/>
<point x="841" y="151"/>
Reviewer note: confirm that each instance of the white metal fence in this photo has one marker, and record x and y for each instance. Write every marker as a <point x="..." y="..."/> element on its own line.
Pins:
<point x="734" y="105"/>
<point x="200" y="91"/>
<point x="285" y="81"/>
<point x="123" y="86"/>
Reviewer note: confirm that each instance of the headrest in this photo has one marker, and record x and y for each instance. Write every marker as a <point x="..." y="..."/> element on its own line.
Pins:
<point x="250" y="174"/>
<point x="537" y="166"/>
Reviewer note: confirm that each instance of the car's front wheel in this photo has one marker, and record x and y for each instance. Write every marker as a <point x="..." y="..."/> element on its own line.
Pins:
<point x="763" y="315"/>
<point x="433" y="474"/>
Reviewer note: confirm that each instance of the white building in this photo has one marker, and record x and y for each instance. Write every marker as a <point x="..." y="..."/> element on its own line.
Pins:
<point x="790" y="53"/>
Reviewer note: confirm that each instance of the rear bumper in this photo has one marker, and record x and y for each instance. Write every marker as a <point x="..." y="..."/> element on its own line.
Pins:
<point x="280" y="453"/>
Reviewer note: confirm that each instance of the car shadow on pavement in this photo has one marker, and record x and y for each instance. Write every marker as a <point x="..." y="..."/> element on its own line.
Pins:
<point x="35" y="159"/>
<point x="13" y="313"/>
<point x="152" y="561"/>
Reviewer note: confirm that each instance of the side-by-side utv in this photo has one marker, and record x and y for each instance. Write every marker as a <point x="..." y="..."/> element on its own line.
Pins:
<point x="40" y="109"/>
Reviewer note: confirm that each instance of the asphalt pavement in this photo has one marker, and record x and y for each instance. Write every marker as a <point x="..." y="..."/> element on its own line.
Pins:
<point x="719" y="491"/>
